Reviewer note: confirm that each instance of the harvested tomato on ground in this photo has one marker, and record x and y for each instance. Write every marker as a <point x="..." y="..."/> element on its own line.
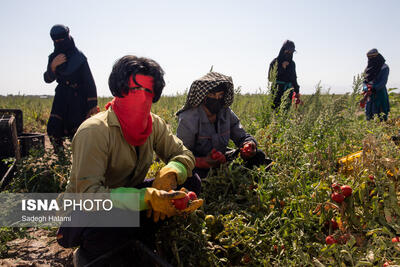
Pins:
<point x="346" y="190"/>
<point x="330" y="240"/>
<point x="337" y="197"/>
<point x="336" y="187"/>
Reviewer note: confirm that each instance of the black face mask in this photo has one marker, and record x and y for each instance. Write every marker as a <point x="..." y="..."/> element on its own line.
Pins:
<point x="64" y="45"/>
<point x="214" y="105"/>
<point x="288" y="56"/>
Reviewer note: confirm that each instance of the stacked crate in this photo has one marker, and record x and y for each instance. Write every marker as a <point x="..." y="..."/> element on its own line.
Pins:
<point x="14" y="143"/>
<point x="9" y="147"/>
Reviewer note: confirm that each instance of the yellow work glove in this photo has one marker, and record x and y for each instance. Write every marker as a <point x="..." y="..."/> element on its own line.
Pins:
<point x="161" y="201"/>
<point x="167" y="179"/>
<point x="159" y="214"/>
<point x="170" y="176"/>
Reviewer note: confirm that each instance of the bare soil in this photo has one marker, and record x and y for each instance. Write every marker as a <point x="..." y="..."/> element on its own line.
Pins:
<point x="39" y="249"/>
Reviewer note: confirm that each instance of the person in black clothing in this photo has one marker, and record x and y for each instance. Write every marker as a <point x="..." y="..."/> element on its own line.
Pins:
<point x="286" y="78"/>
<point x="75" y="95"/>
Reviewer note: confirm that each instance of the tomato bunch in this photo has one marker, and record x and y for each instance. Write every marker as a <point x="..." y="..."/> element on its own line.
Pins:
<point x="340" y="192"/>
<point x="182" y="203"/>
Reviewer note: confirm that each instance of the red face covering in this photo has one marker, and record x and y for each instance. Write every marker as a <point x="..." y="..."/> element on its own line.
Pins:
<point x="133" y="110"/>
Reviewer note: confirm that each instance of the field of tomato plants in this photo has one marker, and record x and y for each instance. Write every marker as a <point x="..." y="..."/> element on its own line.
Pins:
<point x="307" y="210"/>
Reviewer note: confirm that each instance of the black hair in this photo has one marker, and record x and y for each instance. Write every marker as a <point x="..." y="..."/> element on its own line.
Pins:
<point x="131" y="65"/>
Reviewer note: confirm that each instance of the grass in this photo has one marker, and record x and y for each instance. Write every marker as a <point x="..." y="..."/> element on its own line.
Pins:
<point x="277" y="217"/>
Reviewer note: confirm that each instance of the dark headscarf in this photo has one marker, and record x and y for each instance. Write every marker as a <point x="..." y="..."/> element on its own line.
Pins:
<point x="75" y="58"/>
<point x="287" y="45"/>
<point x="375" y="63"/>
<point x="211" y="82"/>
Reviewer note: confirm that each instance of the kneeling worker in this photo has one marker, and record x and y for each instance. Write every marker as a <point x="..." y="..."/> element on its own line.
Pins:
<point x="113" y="151"/>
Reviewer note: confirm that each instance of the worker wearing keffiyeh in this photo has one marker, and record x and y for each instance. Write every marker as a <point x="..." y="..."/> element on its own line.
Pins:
<point x="206" y="124"/>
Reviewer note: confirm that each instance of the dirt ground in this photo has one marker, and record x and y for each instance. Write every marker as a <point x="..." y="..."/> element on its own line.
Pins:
<point x="39" y="249"/>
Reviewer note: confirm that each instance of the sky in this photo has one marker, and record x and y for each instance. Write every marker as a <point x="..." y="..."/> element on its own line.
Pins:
<point x="237" y="38"/>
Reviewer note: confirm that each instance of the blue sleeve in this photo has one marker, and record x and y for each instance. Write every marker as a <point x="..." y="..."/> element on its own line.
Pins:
<point x="238" y="134"/>
<point x="187" y="129"/>
<point x="382" y="79"/>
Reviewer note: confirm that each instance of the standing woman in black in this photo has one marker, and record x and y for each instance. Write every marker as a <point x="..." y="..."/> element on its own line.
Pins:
<point x="286" y="77"/>
<point x="75" y="97"/>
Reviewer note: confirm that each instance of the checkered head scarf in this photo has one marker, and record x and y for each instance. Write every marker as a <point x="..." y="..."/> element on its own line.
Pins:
<point x="201" y="87"/>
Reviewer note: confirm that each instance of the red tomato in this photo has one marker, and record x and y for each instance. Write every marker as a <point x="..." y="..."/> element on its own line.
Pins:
<point x="336" y="187"/>
<point x="330" y="240"/>
<point x="337" y="197"/>
<point x="346" y="190"/>
<point x="371" y="177"/>
<point x="181" y="203"/>
<point x="192" y="195"/>
<point x="395" y="239"/>
<point x="386" y="264"/>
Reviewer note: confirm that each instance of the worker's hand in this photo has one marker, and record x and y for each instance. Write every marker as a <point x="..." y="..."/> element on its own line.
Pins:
<point x="207" y="162"/>
<point x="212" y="160"/>
<point x="166" y="179"/>
<point x="248" y="150"/>
<point x="156" y="215"/>
<point x="58" y="60"/>
<point x="93" y="111"/>
<point x="368" y="90"/>
<point x="160" y="202"/>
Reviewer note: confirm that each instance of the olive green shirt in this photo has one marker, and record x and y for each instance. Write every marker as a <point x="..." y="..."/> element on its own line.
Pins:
<point x="102" y="159"/>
